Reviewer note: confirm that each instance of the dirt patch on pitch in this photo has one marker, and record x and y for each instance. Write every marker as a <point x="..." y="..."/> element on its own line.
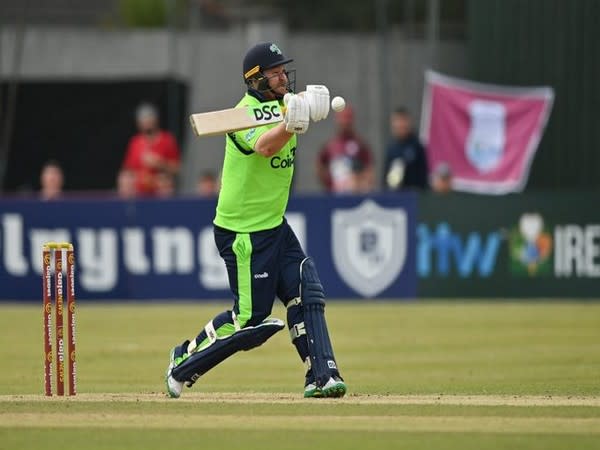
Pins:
<point x="286" y="398"/>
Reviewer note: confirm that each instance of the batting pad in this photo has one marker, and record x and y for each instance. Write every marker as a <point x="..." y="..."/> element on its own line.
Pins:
<point x="200" y="362"/>
<point x="319" y="345"/>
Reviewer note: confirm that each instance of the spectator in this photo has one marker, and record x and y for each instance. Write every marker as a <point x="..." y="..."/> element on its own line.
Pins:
<point x="126" y="184"/>
<point x="207" y="185"/>
<point x="344" y="164"/>
<point x="405" y="161"/>
<point x="150" y="151"/>
<point x="165" y="184"/>
<point x="51" y="181"/>
<point x="441" y="179"/>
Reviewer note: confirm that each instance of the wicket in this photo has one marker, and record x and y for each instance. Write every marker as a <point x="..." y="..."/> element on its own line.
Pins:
<point x="59" y="250"/>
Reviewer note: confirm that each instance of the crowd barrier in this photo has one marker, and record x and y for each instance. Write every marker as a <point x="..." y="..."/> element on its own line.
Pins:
<point x="391" y="246"/>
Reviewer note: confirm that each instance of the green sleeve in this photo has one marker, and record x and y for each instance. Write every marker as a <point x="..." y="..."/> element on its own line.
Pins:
<point x="248" y="138"/>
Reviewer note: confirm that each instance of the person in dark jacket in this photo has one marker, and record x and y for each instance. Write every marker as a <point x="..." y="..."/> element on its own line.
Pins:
<point x="405" y="160"/>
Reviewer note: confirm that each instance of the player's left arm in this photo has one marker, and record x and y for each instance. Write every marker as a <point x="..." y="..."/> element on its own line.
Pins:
<point x="296" y="121"/>
<point x="299" y="109"/>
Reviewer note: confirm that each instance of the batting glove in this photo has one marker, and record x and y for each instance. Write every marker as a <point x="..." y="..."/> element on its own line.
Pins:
<point x="297" y="114"/>
<point x="318" y="101"/>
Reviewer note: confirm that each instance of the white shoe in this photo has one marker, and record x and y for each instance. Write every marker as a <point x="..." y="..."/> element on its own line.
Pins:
<point x="174" y="387"/>
<point x="335" y="387"/>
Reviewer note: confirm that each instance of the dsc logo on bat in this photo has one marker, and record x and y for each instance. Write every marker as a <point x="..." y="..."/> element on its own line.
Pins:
<point x="267" y="112"/>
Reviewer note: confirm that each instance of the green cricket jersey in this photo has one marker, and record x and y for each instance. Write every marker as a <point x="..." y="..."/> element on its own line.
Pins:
<point x="254" y="189"/>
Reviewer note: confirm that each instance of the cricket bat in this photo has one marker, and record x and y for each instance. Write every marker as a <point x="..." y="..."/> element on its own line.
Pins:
<point x="234" y="119"/>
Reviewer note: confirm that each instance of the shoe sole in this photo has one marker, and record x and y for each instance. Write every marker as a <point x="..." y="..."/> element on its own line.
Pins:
<point x="313" y="393"/>
<point x="338" y="390"/>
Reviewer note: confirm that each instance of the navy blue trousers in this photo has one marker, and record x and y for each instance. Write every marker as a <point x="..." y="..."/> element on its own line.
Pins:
<point x="261" y="266"/>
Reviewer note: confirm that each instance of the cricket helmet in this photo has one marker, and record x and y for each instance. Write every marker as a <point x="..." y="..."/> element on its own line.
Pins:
<point x="263" y="56"/>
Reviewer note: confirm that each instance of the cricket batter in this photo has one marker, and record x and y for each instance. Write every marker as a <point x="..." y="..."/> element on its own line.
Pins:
<point x="261" y="252"/>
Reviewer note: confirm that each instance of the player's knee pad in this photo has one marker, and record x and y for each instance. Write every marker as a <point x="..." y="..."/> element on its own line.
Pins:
<point x="295" y="318"/>
<point x="319" y="344"/>
<point x="200" y="362"/>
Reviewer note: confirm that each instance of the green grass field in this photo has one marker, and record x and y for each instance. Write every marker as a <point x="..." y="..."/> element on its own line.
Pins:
<point x="421" y="376"/>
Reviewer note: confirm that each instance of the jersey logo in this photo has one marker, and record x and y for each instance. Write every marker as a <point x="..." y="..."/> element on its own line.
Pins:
<point x="266" y="112"/>
<point x="369" y="246"/>
<point x="250" y="134"/>
<point x="277" y="162"/>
